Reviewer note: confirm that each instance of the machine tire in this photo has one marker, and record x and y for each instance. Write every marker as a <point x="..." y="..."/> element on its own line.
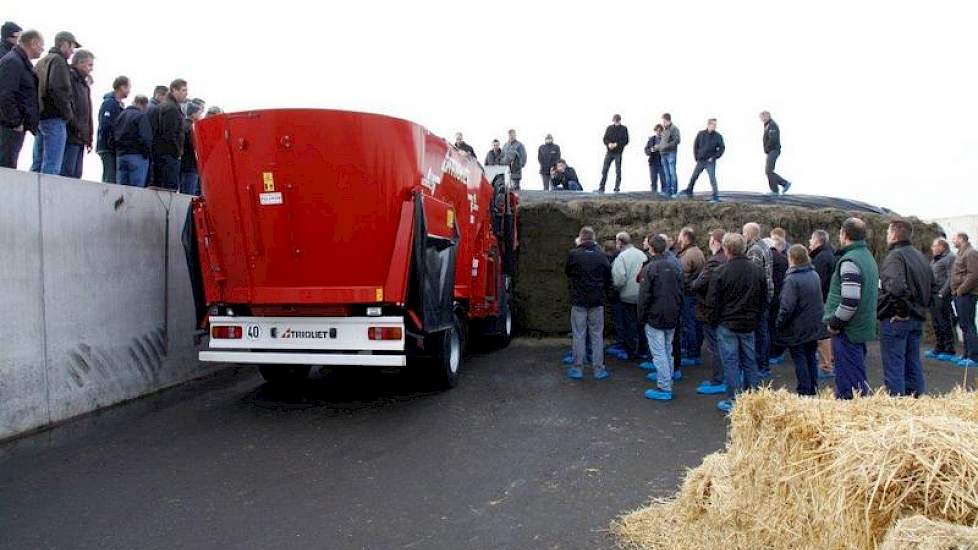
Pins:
<point x="501" y="326"/>
<point x="284" y="375"/>
<point x="446" y="362"/>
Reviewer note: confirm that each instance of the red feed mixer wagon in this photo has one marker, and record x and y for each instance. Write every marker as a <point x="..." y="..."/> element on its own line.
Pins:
<point x="339" y="238"/>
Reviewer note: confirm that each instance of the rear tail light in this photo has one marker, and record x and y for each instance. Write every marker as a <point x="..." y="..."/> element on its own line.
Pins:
<point x="226" y="333"/>
<point x="384" y="333"/>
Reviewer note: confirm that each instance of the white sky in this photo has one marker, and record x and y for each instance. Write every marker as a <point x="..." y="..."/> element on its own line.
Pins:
<point x="876" y="100"/>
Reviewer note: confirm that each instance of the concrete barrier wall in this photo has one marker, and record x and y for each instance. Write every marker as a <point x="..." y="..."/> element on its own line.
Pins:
<point x="82" y="290"/>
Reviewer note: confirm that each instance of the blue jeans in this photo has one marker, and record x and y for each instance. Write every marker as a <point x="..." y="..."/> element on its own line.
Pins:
<point x="74" y="157"/>
<point x="11" y="141"/>
<point x="131" y="170"/>
<point x="711" y="170"/>
<point x="710" y="332"/>
<point x="806" y="365"/>
<point x="761" y="342"/>
<point x="850" y="367"/>
<point x="739" y="364"/>
<point x="900" y="347"/>
<point x="966" y="319"/>
<point x="692" y="329"/>
<point x="669" y="169"/>
<point x="657" y="175"/>
<point x="49" y="146"/>
<point x="190" y="183"/>
<point x="629" y="326"/>
<point x="660" y="344"/>
<point x="167" y="170"/>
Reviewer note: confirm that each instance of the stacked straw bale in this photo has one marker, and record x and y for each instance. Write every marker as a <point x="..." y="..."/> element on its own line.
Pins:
<point x="821" y="473"/>
<point x="920" y="533"/>
<point x="548" y="228"/>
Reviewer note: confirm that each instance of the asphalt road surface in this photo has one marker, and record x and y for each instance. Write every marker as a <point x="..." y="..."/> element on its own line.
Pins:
<point x="516" y="457"/>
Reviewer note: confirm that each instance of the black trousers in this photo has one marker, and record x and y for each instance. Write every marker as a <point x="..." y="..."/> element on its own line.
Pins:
<point x="774" y="181"/>
<point x="11" y="141"/>
<point x="610" y="157"/>
<point x="943" y="319"/>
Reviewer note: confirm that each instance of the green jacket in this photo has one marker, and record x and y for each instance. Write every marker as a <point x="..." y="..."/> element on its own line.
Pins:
<point x="861" y="328"/>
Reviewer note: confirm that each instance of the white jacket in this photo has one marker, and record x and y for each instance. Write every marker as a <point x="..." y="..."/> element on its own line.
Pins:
<point x="624" y="273"/>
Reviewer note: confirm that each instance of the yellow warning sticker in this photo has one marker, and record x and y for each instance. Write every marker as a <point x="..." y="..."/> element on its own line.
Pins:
<point x="380" y="295"/>
<point x="451" y="219"/>
<point x="269" y="180"/>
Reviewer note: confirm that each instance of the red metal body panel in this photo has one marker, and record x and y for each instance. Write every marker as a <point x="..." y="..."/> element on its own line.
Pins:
<point x="315" y="208"/>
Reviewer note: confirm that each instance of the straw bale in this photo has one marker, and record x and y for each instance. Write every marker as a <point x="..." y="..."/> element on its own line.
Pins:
<point x="920" y="533"/>
<point x="821" y="473"/>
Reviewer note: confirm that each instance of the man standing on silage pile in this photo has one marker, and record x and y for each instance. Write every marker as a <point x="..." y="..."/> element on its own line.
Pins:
<point x="906" y="289"/>
<point x="850" y="311"/>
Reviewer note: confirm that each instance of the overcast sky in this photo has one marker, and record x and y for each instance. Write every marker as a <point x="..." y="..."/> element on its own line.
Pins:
<point x="876" y="100"/>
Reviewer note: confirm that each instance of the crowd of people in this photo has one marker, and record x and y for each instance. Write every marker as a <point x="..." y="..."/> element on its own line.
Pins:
<point x="145" y="143"/>
<point x="754" y="300"/>
<point x="662" y="150"/>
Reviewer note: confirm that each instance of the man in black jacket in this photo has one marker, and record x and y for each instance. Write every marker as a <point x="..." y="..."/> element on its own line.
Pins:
<point x="942" y="313"/>
<point x="707" y="149"/>
<point x="615" y="139"/>
<point x="823" y="261"/>
<point x="737" y="296"/>
<point x="701" y="286"/>
<point x="547" y="155"/>
<point x="565" y="177"/>
<point x="80" y="127"/>
<point x="19" y="109"/>
<point x="906" y="292"/>
<point x="660" y="303"/>
<point x="57" y="105"/>
<point x="168" y="136"/>
<point x="462" y="146"/>
<point x="772" y="148"/>
<point x="589" y="277"/>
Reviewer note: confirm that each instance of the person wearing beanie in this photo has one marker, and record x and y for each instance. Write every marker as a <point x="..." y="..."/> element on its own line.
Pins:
<point x="189" y="178"/>
<point x="547" y="155"/>
<point x="10" y="33"/>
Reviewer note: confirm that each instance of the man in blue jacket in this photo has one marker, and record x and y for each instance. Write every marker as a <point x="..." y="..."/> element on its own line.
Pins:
<point x="707" y="149"/>
<point x="656" y="173"/>
<point x="798" y="325"/>
<point x="132" y="137"/>
<point x="111" y="108"/>
<point x="19" y="109"/>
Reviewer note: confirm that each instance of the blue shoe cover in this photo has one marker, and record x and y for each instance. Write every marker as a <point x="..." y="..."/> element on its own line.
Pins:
<point x="658" y="395"/>
<point x="710" y="389"/>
